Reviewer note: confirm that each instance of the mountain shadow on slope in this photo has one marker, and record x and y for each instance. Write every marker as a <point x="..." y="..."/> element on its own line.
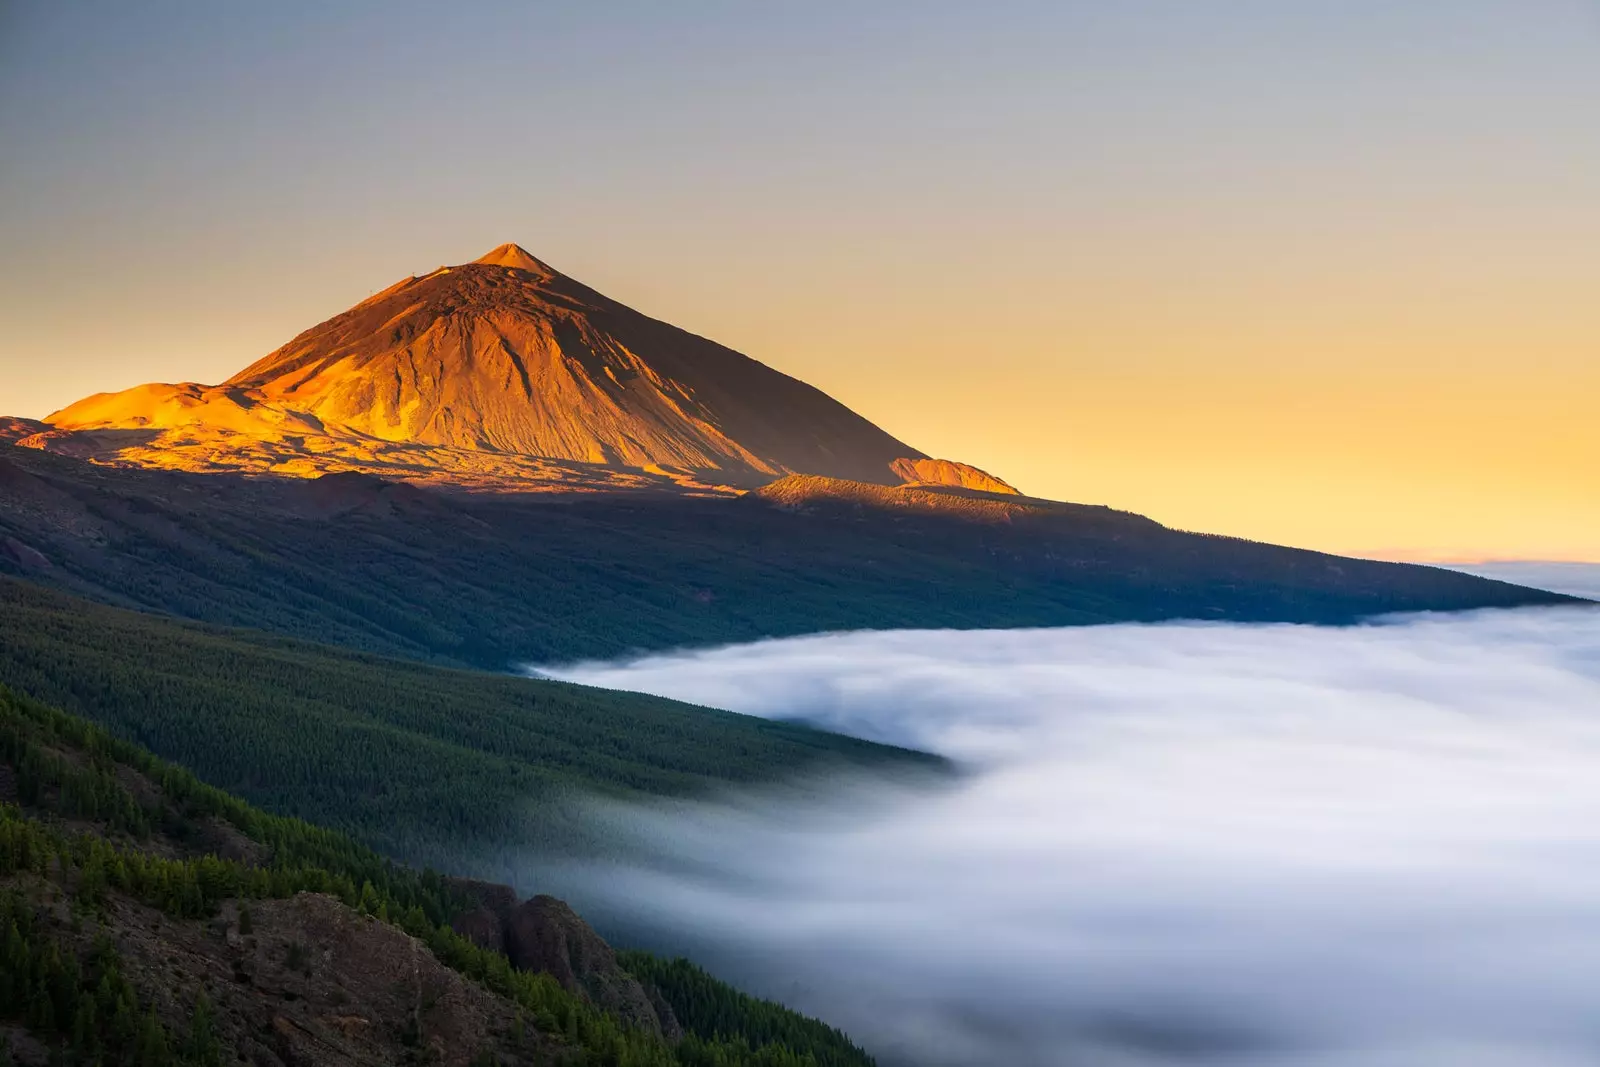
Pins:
<point x="490" y="580"/>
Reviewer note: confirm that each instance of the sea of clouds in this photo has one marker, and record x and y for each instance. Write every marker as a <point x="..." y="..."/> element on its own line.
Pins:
<point x="1576" y="579"/>
<point x="1181" y="844"/>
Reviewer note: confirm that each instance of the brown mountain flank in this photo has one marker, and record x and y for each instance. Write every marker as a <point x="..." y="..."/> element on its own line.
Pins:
<point x="500" y="373"/>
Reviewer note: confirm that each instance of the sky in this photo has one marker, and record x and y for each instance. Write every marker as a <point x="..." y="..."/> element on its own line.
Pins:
<point x="1321" y="272"/>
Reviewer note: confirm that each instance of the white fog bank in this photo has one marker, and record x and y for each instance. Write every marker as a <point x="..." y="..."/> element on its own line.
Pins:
<point x="1375" y="846"/>
<point x="1574" y="579"/>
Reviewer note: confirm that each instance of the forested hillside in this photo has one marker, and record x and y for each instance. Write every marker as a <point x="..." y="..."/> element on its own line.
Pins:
<point x="424" y="763"/>
<point x="149" y="919"/>
<point x="707" y="1006"/>
<point x="490" y="580"/>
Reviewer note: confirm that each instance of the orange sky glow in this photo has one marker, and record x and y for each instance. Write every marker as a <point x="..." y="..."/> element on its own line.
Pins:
<point x="1328" y="278"/>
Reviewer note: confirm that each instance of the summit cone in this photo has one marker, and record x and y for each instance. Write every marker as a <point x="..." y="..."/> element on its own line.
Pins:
<point x="502" y="372"/>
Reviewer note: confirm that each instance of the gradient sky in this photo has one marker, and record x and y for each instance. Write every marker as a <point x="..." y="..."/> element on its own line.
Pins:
<point x="1324" y="273"/>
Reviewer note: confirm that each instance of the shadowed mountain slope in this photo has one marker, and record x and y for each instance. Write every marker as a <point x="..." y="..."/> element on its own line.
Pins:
<point x="427" y="764"/>
<point x="491" y="580"/>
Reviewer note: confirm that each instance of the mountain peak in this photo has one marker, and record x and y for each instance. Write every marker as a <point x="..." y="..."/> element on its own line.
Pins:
<point x="512" y="255"/>
<point x="505" y="365"/>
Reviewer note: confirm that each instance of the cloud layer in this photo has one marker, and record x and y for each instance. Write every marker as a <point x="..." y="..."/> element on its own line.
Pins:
<point x="1578" y="579"/>
<point x="1178" y="844"/>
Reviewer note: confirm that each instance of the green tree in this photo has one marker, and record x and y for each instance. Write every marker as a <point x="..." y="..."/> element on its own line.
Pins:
<point x="202" y="1048"/>
<point x="151" y="1048"/>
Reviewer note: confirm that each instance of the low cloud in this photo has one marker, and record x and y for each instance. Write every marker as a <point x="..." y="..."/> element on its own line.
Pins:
<point x="1576" y="579"/>
<point x="1178" y="844"/>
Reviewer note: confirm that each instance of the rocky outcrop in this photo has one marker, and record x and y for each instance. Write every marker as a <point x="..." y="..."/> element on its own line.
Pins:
<point x="545" y="935"/>
<point x="948" y="472"/>
<point x="313" y="983"/>
<point x="485" y="923"/>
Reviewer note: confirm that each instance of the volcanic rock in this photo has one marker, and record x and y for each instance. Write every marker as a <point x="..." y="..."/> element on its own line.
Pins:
<point x="502" y="372"/>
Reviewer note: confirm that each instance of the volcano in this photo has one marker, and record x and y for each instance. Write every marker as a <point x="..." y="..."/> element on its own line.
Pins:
<point x="502" y="373"/>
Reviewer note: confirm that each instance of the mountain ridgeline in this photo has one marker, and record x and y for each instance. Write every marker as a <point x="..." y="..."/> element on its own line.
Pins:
<point x="494" y="580"/>
<point x="502" y="373"/>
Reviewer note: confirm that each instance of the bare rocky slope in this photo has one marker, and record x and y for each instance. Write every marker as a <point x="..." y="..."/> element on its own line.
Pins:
<point x="499" y="373"/>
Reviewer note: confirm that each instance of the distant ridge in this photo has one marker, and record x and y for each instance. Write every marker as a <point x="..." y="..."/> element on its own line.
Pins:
<point x="491" y="579"/>
<point x="501" y="373"/>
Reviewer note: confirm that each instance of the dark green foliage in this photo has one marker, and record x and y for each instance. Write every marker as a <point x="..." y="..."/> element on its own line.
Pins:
<point x="424" y="763"/>
<point x="88" y="789"/>
<point x="95" y="1012"/>
<point x="489" y="580"/>
<point x="50" y="988"/>
<point x="190" y="888"/>
<point x="91" y="1010"/>
<point x="715" y="1010"/>
<point x="202" y="1046"/>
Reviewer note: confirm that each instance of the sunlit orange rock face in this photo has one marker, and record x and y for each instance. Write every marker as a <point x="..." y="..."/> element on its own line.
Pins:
<point x="947" y="472"/>
<point x="501" y="373"/>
